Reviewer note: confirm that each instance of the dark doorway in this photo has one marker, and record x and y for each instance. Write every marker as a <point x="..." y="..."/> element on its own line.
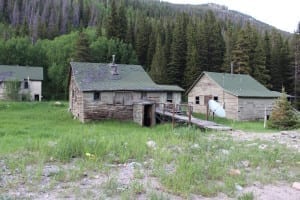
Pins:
<point x="147" y="115"/>
<point x="36" y="97"/>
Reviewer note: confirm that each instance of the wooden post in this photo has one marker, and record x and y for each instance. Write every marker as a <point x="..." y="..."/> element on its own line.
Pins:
<point x="190" y="114"/>
<point x="207" y="112"/>
<point x="173" y="116"/>
<point x="265" y="118"/>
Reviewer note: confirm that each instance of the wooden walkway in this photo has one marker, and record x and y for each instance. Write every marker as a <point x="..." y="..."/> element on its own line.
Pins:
<point x="196" y="121"/>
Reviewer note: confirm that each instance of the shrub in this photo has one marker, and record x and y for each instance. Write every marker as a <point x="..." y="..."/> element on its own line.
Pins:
<point x="283" y="116"/>
<point x="12" y="89"/>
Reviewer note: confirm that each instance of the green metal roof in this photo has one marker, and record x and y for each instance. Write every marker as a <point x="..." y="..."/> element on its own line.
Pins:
<point x="241" y="85"/>
<point x="14" y="72"/>
<point x="99" y="77"/>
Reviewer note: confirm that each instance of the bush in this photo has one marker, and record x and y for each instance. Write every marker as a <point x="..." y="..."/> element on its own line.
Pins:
<point x="283" y="116"/>
<point x="12" y="89"/>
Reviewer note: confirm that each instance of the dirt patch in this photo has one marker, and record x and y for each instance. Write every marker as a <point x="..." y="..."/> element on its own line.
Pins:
<point x="289" y="138"/>
<point x="280" y="191"/>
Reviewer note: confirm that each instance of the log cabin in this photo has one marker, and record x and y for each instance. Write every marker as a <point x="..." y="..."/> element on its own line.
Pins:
<point x="116" y="91"/>
<point x="242" y="97"/>
<point x="29" y="81"/>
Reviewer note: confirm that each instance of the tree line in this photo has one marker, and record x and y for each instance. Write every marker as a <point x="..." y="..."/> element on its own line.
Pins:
<point x="173" y="46"/>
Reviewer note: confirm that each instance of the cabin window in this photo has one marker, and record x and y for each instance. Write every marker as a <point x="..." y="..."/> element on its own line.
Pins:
<point x="197" y="100"/>
<point x="26" y="85"/>
<point x="144" y="95"/>
<point x="216" y="98"/>
<point x="169" y="97"/>
<point x="97" y="96"/>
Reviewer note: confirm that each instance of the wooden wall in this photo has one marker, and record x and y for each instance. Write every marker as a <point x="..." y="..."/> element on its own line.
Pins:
<point x="34" y="88"/>
<point x="75" y="100"/>
<point x="110" y="105"/>
<point x="139" y="111"/>
<point x="254" y="108"/>
<point x="207" y="87"/>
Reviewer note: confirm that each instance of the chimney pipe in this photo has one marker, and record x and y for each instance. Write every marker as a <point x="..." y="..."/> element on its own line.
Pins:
<point x="114" y="67"/>
<point x="113" y="59"/>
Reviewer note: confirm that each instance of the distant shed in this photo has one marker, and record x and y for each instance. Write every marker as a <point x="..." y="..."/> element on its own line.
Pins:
<point x="30" y="81"/>
<point x="242" y="97"/>
<point x="108" y="91"/>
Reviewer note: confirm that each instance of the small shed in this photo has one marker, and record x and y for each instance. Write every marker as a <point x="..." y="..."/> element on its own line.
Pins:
<point x="109" y="91"/>
<point x="30" y="81"/>
<point x="242" y="97"/>
<point x="144" y="113"/>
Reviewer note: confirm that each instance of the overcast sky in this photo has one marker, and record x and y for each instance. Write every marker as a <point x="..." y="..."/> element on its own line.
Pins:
<point x="283" y="14"/>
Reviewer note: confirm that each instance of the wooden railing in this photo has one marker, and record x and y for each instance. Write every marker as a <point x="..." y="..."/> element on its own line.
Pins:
<point x="176" y="109"/>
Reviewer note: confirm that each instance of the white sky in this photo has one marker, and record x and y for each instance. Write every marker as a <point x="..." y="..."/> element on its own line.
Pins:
<point x="283" y="14"/>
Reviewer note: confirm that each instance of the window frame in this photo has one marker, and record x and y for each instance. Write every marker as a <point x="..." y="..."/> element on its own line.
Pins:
<point x="216" y="98"/>
<point x="197" y="100"/>
<point x="169" y="100"/>
<point x="26" y="84"/>
<point x="97" y="96"/>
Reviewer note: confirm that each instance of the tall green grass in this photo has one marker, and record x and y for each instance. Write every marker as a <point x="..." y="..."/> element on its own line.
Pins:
<point x="186" y="160"/>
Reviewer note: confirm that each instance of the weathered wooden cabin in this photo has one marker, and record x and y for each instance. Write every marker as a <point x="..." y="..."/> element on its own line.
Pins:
<point x="242" y="97"/>
<point x="109" y="91"/>
<point x="29" y="78"/>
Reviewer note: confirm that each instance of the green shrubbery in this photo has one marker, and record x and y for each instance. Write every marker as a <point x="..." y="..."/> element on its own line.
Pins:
<point x="283" y="116"/>
<point x="12" y="88"/>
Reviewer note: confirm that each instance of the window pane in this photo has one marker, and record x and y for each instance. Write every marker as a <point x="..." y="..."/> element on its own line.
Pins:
<point x="96" y="95"/>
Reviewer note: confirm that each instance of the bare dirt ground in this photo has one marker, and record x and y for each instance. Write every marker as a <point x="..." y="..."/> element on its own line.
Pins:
<point x="289" y="138"/>
<point x="131" y="180"/>
<point x="279" y="191"/>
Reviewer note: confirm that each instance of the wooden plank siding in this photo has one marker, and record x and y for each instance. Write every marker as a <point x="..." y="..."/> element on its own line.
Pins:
<point x="207" y="87"/>
<point x="110" y="105"/>
<point x="254" y="108"/>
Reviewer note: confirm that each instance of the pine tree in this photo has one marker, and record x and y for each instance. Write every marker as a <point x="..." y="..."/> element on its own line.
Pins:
<point x="130" y="35"/>
<point x="122" y="22"/>
<point x="142" y="40"/>
<point x="82" y="49"/>
<point x="283" y="116"/>
<point x="287" y="69"/>
<point x="178" y="52"/>
<point x="112" y="21"/>
<point x="296" y="74"/>
<point x="240" y="56"/>
<point x="193" y="66"/>
<point x="281" y="68"/>
<point x="151" y="46"/>
<point x="260" y="73"/>
<point x="230" y="40"/>
<point x="214" y="42"/>
<point x="267" y="52"/>
<point x="158" y="66"/>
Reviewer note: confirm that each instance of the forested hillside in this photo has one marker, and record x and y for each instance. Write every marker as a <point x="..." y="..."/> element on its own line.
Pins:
<point x="173" y="43"/>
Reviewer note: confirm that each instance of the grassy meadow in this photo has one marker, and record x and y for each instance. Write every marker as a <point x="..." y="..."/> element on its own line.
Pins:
<point x="185" y="160"/>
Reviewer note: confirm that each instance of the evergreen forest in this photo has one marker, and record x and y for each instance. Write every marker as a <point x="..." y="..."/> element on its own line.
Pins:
<point x="174" y="44"/>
